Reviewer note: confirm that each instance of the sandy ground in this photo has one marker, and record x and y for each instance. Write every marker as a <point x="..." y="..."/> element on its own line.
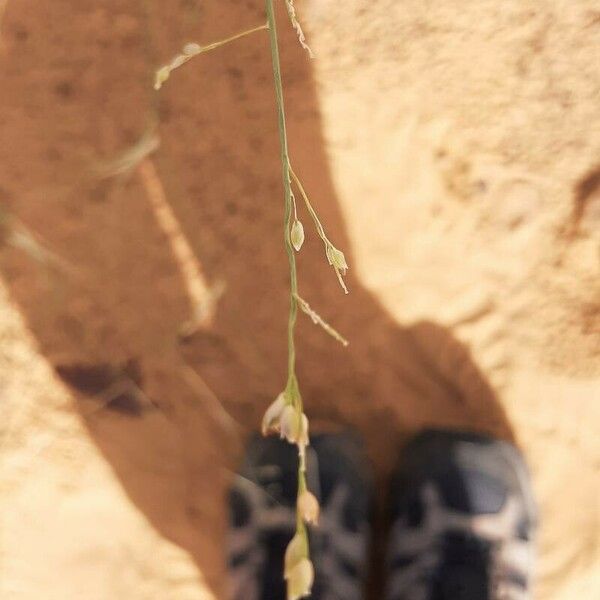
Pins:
<point x="453" y="149"/>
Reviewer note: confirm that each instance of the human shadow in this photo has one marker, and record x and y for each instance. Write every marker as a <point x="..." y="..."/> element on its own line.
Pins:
<point x="110" y="320"/>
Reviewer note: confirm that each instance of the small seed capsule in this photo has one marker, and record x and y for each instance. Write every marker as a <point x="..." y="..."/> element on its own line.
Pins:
<point x="297" y="235"/>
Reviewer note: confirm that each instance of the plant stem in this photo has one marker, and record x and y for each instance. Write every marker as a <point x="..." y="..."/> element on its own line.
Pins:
<point x="310" y="208"/>
<point x="300" y="527"/>
<point x="287" y="185"/>
<point x="192" y="50"/>
<point x="237" y="36"/>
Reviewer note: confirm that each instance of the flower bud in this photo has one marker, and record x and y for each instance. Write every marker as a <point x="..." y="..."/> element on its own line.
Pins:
<point x="161" y="76"/>
<point x="300" y="580"/>
<point x="337" y="259"/>
<point x="293" y="426"/>
<point x="290" y="424"/>
<point x="297" y="235"/>
<point x="308" y="507"/>
<point x="296" y="550"/>
<point x="272" y="415"/>
<point x="192" y="48"/>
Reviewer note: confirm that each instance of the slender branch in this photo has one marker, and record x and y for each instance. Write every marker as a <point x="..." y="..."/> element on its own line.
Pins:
<point x="296" y="25"/>
<point x="310" y="208"/>
<point x="318" y="320"/>
<point x="193" y="49"/>
<point x="237" y="36"/>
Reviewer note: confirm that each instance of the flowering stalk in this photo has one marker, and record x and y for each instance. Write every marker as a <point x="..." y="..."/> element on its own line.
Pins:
<point x="286" y="414"/>
<point x="299" y="572"/>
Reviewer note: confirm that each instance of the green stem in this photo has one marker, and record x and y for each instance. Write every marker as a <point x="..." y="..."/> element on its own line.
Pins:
<point x="287" y="185"/>
<point x="300" y="527"/>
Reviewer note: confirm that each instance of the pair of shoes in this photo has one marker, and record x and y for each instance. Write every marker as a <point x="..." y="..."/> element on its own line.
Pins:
<point x="462" y="519"/>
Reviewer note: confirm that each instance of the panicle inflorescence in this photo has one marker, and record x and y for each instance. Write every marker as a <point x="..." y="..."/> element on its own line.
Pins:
<point x="285" y="416"/>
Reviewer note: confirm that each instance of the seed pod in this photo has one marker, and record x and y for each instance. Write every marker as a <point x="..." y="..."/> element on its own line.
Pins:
<point x="308" y="507"/>
<point x="300" y="580"/>
<point x="272" y="416"/>
<point x="297" y="235"/>
<point x="337" y="259"/>
<point x="161" y="76"/>
<point x="290" y="424"/>
<point x="296" y="550"/>
<point x="192" y="48"/>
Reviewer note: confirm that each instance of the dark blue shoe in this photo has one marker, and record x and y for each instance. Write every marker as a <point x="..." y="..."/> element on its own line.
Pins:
<point x="463" y="521"/>
<point x="263" y="518"/>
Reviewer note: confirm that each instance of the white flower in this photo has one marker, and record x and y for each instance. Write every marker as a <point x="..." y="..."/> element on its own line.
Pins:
<point x="337" y="259"/>
<point x="289" y="424"/>
<point x="296" y="550"/>
<point x="300" y="580"/>
<point x="271" y="420"/>
<point x="308" y="507"/>
<point x="298" y="570"/>
<point x="293" y="426"/>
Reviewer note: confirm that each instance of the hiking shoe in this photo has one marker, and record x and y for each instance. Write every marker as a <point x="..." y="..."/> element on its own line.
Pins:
<point x="262" y="506"/>
<point x="463" y="520"/>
